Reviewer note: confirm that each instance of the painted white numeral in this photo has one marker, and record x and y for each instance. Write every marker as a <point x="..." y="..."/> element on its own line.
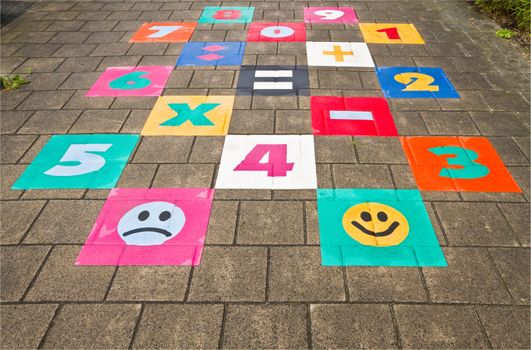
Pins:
<point x="277" y="32"/>
<point x="329" y="14"/>
<point x="88" y="162"/>
<point x="163" y="31"/>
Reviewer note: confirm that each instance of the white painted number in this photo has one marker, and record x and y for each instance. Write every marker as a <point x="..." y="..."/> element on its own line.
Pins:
<point x="329" y="14"/>
<point x="88" y="162"/>
<point x="163" y="31"/>
<point x="277" y="32"/>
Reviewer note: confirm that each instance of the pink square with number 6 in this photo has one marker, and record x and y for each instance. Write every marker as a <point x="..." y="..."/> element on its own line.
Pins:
<point x="131" y="81"/>
<point x="344" y="15"/>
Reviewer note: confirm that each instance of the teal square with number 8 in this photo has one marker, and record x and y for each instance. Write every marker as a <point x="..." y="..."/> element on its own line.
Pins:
<point x="78" y="161"/>
<point x="228" y="15"/>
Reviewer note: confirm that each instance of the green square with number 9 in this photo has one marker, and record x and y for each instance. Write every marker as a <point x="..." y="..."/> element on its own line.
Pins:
<point x="78" y="161"/>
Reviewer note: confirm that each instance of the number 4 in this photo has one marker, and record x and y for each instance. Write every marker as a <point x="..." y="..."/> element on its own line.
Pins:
<point x="276" y="164"/>
<point x="87" y="162"/>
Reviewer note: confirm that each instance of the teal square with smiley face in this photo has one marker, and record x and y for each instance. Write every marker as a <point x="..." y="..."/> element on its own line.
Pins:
<point x="376" y="227"/>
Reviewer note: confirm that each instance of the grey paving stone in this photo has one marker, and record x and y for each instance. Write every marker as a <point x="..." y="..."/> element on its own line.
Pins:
<point x="69" y="38"/>
<point x="238" y="273"/>
<point x="185" y="326"/>
<point x="517" y="214"/>
<point x="37" y="50"/>
<point x="12" y="99"/>
<point x="18" y="217"/>
<point x="513" y="266"/>
<point x="184" y="175"/>
<point x="100" y="121"/>
<point x="252" y="122"/>
<point x="274" y="102"/>
<point x="74" y="50"/>
<point x="508" y="151"/>
<point x="312" y="223"/>
<point x="23" y="326"/>
<point x="271" y="326"/>
<point x="222" y="222"/>
<point x="207" y="149"/>
<point x="64" y="221"/>
<point x="79" y="64"/>
<point x="506" y="327"/>
<point x="334" y="149"/>
<point x="94" y="26"/>
<point x="438" y="327"/>
<point x="133" y="103"/>
<point x="499" y="124"/>
<point x="271" y="223"/>
<point x="50" y="122"/>
<point x="11" y="121"/>
<point x="352" y="326"/>
<point x="296" y="274"/>
<point x="163" y="149"/>
<point x="409" y="104"/>
<point x="449" y="123"/>
<point x="243" y="194"/>
<point x="135" y="122"/>
<point x="524" y="145"/>
<point x="81" y="102"/>
<point x="137" y="175"/>
<point x="212" y="79"/>
<point x="339" y="80"/>
<point x="505" y="100"/>
<point x="93" y="325"/>
<point x="111" y="49"/>
<point x="361" y="176"/>
<point x="469" y="278"/>
<point x="45" y="100"/>
<point x="40" y="65"/>
<point x="61" y="280"/>
<point x="386" y="150"/>
<point x="10" y="173"/>
<point x="410" y="123"/>
<point x="13" y="147"/>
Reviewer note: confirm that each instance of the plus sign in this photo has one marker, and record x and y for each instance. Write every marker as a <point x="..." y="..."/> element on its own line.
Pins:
<point x="338" y="53"/>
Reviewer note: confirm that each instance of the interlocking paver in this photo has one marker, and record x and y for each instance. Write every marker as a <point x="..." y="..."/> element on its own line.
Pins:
<point x="23" y="326"/>
<point x="12" y="230"/>
<point x="506" y="327"/>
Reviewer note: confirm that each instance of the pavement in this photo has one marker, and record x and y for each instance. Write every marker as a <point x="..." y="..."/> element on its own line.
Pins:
<point x="260" y="282"/>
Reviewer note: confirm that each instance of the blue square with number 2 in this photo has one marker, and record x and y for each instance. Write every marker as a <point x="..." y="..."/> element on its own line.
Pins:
<point x="212" y="54"/>
<point x="415" y="82"/>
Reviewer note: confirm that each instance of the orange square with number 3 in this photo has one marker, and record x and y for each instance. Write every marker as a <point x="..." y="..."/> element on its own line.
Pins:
<point x="164" y="32"/>
<point x="390" y="33"/>
<point x="457" y="164"/>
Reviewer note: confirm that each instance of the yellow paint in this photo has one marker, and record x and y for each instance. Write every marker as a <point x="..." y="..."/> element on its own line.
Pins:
<point x="407" y="32"/>
<point x="161" y="113"/>
<point x="338" y="53"/>
<point x="416" y="82"/>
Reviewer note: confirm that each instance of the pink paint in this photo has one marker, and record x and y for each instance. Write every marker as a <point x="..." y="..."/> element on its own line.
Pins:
<point x="106" y="244"/>
<point x="109" y="83"/>
<point x="277" y="161"/>
<point x="330" y="15"/>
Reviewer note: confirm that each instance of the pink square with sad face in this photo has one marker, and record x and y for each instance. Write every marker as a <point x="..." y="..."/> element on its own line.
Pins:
<point x="131" y="81"/>
<point x="330" y="15"/>
<point x="157" y="226"/>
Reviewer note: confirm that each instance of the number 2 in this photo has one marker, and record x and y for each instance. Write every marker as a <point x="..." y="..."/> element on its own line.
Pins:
<point x="162" y="31"/>
<point x="276" y="164"/>
<point x="461" y="157"/>
<point x="329" y="14"/>
<point x="415" y="81"/>
<point x="88" y="162"/>
<point x="392" y="33"/>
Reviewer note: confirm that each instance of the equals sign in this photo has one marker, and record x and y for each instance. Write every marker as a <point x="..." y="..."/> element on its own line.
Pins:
<point x="273" y="85"/>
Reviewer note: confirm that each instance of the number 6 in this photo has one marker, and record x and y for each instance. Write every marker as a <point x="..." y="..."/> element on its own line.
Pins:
<point x="88" y="162"/>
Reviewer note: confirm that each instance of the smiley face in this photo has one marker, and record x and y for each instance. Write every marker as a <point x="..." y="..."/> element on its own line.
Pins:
<point x="375" y="224"/>
<point x="151" y="223"/>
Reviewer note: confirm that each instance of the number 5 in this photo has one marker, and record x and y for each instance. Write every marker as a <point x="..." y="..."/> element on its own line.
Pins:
<point x="88" y="162"/>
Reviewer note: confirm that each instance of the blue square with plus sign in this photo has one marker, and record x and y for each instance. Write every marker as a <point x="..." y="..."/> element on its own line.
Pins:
<point x="212" y="54"/>
<point x="415" y="82"/>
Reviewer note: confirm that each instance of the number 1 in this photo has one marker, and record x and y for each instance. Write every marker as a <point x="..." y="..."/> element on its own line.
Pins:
<point x="392" y="33"/>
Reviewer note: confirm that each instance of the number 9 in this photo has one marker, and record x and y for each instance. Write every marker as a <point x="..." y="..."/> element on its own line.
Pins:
<point x="329" y="14"/>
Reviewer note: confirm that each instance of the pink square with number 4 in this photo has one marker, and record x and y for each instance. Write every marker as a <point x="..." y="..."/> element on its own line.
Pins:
<point x="131" y="81"/>
<point x="156" y="226"/>
<point x="330" y="15"/>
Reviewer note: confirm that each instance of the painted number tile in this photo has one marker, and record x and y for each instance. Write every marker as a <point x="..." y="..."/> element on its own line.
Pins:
<point x="164" y="32"/>
<point x="457" y="164"/>
<point x="415" y="82"/>
<point x="190" y="115"/>
<point x="277" y="32"/>
<point x="367" y="227"/>
<point x="212" y="14"/>
<point x="212" y="54"/>
<point x="390" y="33"/>
<point x="338" y="54"/>
<point x="78" y="161"/>
<point x="356" y="116"/>
<point x="344" y="15"/>
<point x="267" y="162"/>
<point x="157" y="226"/>
<point x="273" y="81"/>
<point x="131" y="81"/>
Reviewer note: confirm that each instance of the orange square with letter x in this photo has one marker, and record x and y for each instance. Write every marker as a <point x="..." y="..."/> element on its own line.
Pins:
<point x="457" y="164"/>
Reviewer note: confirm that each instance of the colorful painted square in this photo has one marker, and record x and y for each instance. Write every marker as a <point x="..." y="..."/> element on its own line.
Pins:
<point x="190" y="115"/>
<point x="356" y="116"/>
<point x="457" y="164"/>
<point x="390" y="33"/>
<point x="225" y="14"/>
<point x="367" y="227"/>
<point x="267" y="162"/>
<point x="277" y="32"/>
<point x="212" y="54"/>
<point x="131" y="81"/>
<point x="344" y="15"/>
<point x="415" y="82"/>
<point x="164" y="32"/>
<point x="78" y="161"/>
<point x="335" y="54"/>
<point x="157" y="226"/>
<point x="273" y="81"/>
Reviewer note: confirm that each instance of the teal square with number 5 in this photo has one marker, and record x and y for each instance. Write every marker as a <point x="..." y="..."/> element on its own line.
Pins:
<point x="214" y="14"/>
<point x="78" y="161"/>
<point x="367" y="227"/>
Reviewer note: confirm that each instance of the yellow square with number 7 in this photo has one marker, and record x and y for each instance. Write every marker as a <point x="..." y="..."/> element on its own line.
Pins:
<point x="390" y="33"/>
<point x="190" y="116"/>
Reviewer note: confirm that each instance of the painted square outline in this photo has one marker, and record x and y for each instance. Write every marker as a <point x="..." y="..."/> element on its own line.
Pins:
<point x="300" y="152"/>
<point x="191" y="51"/>
<point x="180" y="35"/>
<point x="247" y="77"/>
<point x="419" y="248"/>
<point x="407" y="32"/>
<point x="116" y="157"/>
<point x="356" y="54"/>
<point x="256" y="32"/>
<point x="156" y="75"/>
<point x="393" y="89"/>
<point x="349" y="15"/>
<point x="427" y="166"/>
<point x="161" y="113"/>
<point x="105" y="247"/>
<point x="210" y="11"/>
<point x="382" y="123"/>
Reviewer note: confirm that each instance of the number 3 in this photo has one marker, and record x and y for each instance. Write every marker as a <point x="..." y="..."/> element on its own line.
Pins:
<point x="88" y="162"/>
<point x="416" y="82"/>
<point x="462" y="157"/>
